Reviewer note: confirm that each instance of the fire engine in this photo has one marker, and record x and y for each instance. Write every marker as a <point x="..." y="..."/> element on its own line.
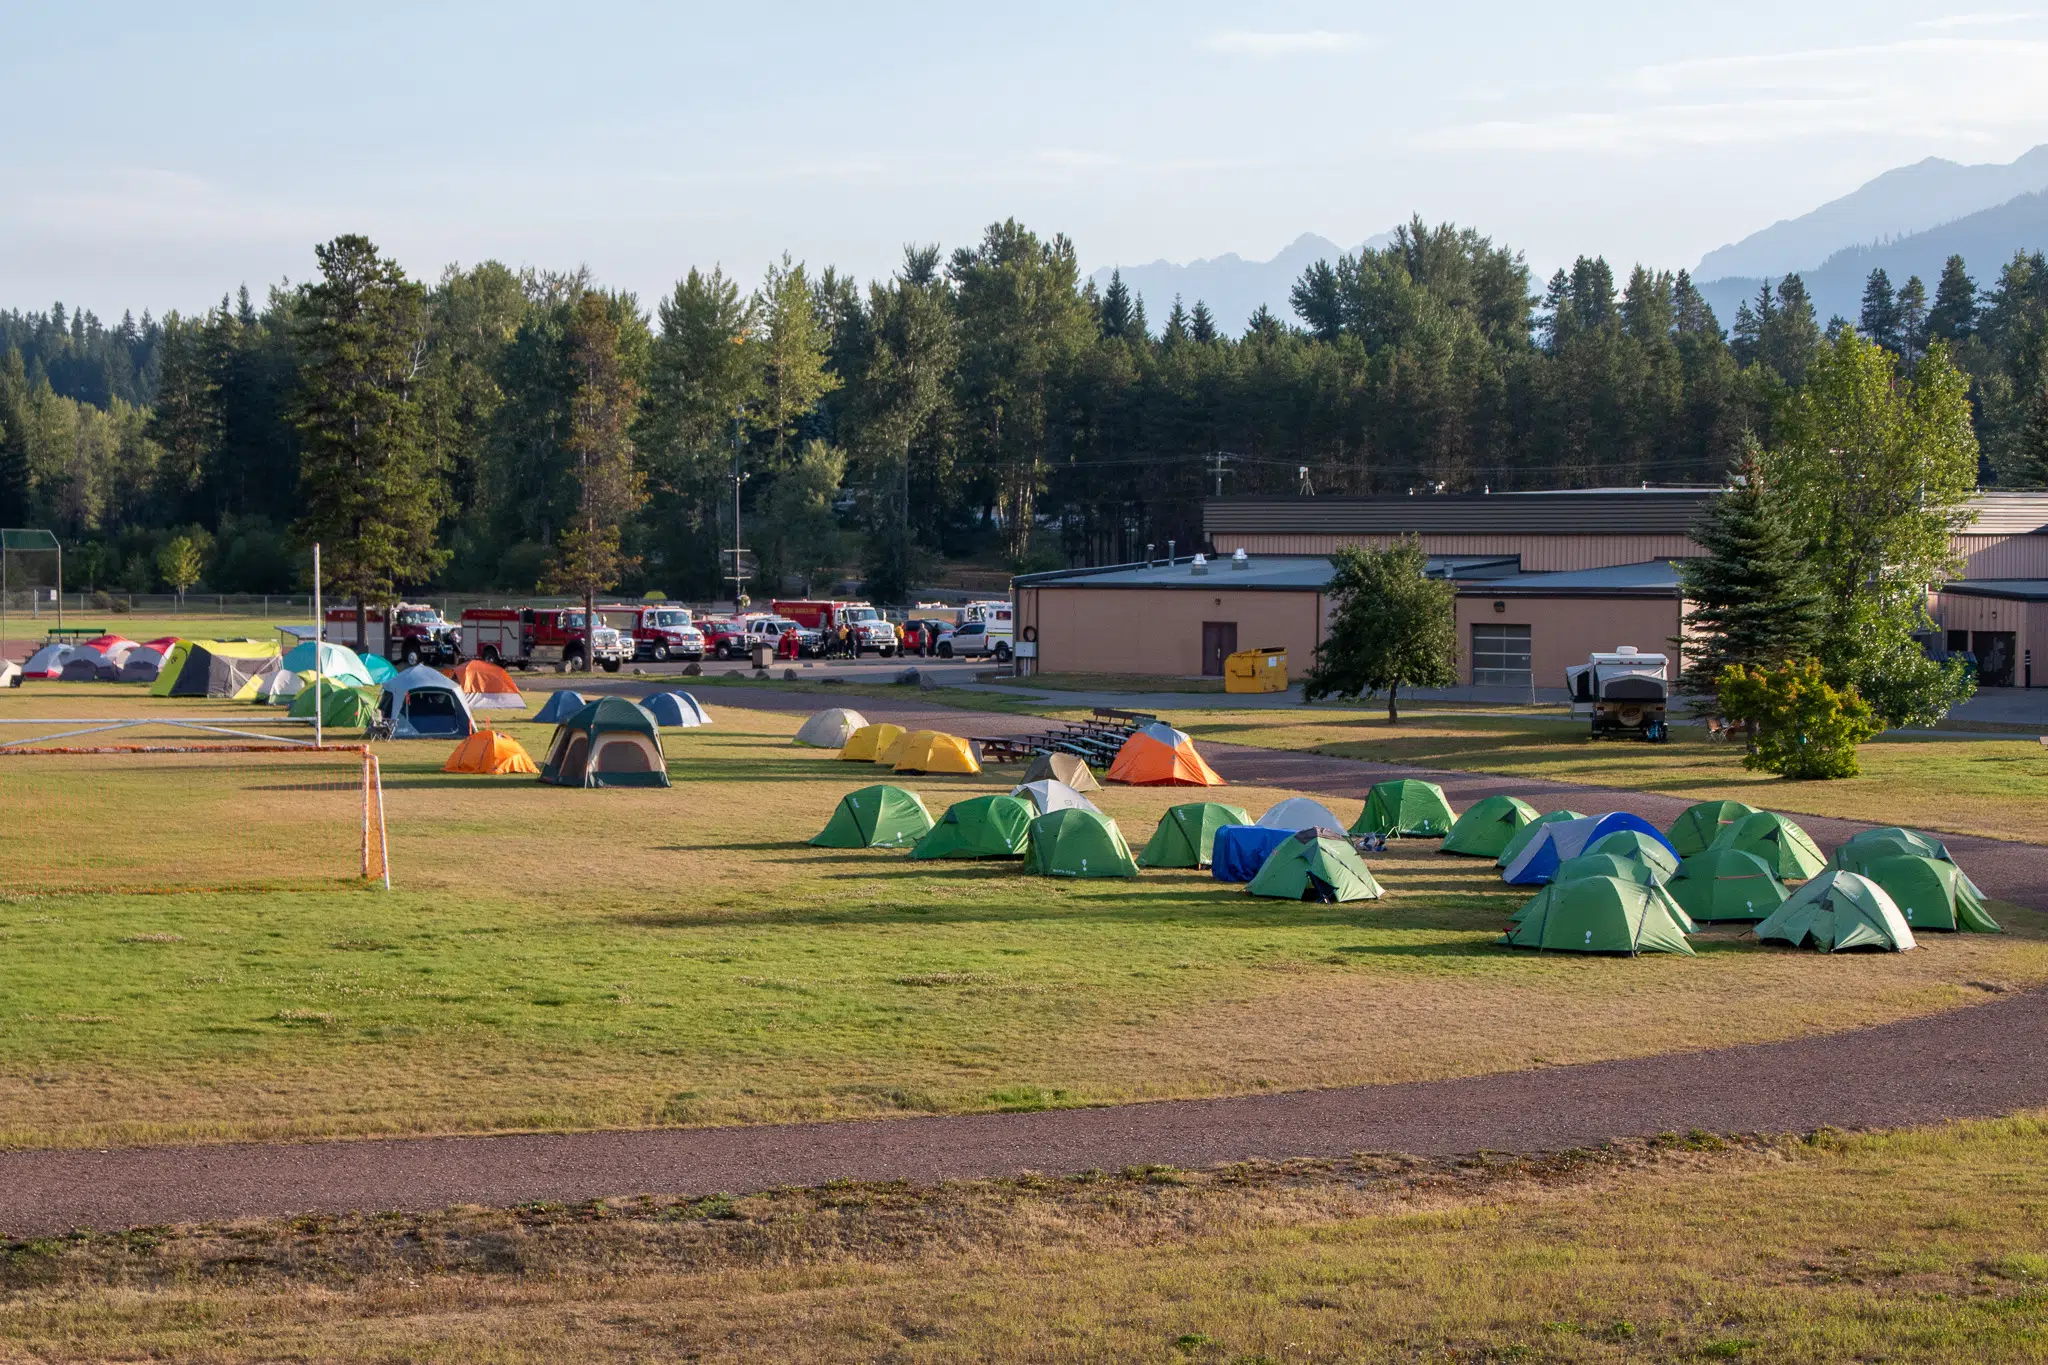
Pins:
<point x="409" y="633"/>
<point x="659" y="633"/>
<point x="826" y="618"/>
<point x="525" y="637"/>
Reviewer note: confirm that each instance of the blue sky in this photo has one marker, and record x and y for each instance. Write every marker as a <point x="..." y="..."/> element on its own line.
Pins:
<point x="159" y="154"/>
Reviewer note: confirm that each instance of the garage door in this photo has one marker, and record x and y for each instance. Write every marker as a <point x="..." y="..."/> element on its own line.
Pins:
<point x="1500" y="656"/>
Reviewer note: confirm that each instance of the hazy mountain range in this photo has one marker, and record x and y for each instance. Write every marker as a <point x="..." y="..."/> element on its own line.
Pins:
<point x="1232" y="286"/>
<point x="1908" y="220"/>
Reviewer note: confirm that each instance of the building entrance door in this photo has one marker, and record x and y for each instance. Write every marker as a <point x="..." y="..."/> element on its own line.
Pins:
<point x="1219" y="642"/>
<point x="1994" y="651"/>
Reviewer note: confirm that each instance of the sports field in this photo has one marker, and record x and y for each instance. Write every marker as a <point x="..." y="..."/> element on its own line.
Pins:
<point x="569" y="959"/>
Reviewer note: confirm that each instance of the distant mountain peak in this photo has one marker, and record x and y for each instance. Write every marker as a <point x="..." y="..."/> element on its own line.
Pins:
<point x="1899" y="203"/>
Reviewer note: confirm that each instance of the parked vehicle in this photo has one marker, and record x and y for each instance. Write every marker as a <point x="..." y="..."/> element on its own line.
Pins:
<point x="972" y="639"/>
<point x="526" y="637"/>
<point x="409" y="633"/>
<point x="724" y="638"/>
<point x="659" y="633"/>
<point x="825" y="617"/>
<point x="768" y="630"/>
<point x="1623" y="694"/>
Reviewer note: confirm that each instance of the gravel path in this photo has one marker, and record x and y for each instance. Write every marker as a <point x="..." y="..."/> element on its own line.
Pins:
<point x="1987" y="1060"/>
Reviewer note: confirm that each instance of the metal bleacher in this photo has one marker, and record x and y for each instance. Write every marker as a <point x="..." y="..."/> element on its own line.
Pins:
<point x="1094" y="740"/>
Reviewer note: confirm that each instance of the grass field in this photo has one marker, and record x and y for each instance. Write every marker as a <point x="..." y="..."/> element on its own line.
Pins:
<point x="1927" y="1245"/>
<point x="561" y="959"/>
<point x="193" y="625"/>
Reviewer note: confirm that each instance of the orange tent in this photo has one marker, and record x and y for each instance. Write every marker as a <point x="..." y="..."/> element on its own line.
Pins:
<point x="486" y="687"/>
<point x="487" y="751"/>
<point x="1161" y="756"/>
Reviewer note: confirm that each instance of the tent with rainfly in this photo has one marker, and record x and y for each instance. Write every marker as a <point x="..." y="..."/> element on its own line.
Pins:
<point x="493" y="752"/>
<point x="1062" y="768"/>
<point x="47" y="662"/>
<point x="338" y="662"/>
<point x="880" y="816"/>
<point x="1562" y="839"/>
<point x="143" y="665"/>
<point x="87" y="664"/>
<point x="1608" y="865"/>
<point x="1600" y="915"/>
<point x="1890" y="842"/>
<point x="1698" y="825"/>
<point x="486" y="687"/>
<point x="1078" y="843"/>
<point x="1616" y="865"/>
<point x="1186" y="836"/>
<point x="342" y="707"/>
<point x="1785" y="847"/>
<point x="1486" y="826"/>
<point x="1722" y="884"/>
<point x="559" y="707"/>
<point x="380" y="669"/>
<point x="830" y="728"/>
<point x="1931" y="894"/>
<point x="1838" y="911"/>
<point x="423" y="703"/>
<point x="114" y="647"/>
<point x="1527" y="834"/>
<point x="866" y="744"/>
<point x="1406" y="808"/>
<point x="677" y="710"/>
<point x="1157" y="755"/>
<point x="1048" y="795"/>
<point x="1315" y="865"/>
<point x="216" y="668"/>
<point x="607" y="743"/>
<point x="1648" y="849"/>
<point x="1299" y="812"/>
<point x="979" y="827"/>
<point x="934" y="751"/>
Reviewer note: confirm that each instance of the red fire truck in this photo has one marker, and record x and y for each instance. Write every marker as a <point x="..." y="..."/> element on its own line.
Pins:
<point x="525" y="637"/>
<point x="659" y="632"/>
<point x="826" y="618"/>
<point x="409" y="633"/>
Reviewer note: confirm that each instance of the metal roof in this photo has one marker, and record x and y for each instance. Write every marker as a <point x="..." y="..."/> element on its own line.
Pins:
<point x="2018" y="589"/>
<point x="1597" y="511"/>
<point x="1651" y="578"/>
<point x="1286" y="573"/>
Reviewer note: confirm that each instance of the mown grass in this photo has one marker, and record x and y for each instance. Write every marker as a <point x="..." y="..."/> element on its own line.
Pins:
<point x="1997" y="788"/>
<point x="563" y="959"/>
<point x="1923" y="1245"/>
<point x="197" y="624"/>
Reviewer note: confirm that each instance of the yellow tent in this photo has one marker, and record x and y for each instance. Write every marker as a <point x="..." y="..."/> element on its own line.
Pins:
<point x="929" y="751"/>
<point x="487" y="751"/>
<point x="888" y="753"/>
<point x="866" y="743"/>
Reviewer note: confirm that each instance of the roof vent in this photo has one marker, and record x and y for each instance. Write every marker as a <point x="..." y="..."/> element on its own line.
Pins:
<point x="1625" y="649"/>
<point x="1240" y="560"/>
<point x="1198" y="565"/>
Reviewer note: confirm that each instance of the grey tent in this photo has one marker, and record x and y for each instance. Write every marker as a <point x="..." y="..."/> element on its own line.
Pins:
<point x="1062" y="768"/>
<point x="1047" y="795"/>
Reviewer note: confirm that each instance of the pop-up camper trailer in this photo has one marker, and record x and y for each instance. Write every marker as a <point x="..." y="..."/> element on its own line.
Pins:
<point x="1623" y="694"/>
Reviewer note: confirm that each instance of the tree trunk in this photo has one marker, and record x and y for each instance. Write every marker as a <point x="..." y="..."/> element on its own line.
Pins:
<point x="1393" y="705"/>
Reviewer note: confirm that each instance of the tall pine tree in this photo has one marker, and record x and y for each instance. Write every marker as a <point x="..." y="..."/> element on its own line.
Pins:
<point x="369" y="485"/>
<point x="1751" y="598"/>
<point x="589" y="557"/>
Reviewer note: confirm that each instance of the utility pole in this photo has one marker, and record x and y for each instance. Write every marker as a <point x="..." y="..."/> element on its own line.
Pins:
<point x="1218" y="466"/>
<point x="738" y="580"/>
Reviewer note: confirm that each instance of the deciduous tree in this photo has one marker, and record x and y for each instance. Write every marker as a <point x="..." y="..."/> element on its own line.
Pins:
<point x="1392" y="627"/>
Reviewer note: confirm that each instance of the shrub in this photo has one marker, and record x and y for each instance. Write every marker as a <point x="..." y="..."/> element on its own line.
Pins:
<point x="1799" y="725"/>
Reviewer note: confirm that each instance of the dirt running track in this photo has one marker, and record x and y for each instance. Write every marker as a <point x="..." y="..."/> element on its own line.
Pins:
<point x="1986" y="1060"/>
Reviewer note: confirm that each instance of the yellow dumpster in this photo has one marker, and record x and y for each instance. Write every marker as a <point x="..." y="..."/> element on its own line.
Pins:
<point x="1255" y="670"/>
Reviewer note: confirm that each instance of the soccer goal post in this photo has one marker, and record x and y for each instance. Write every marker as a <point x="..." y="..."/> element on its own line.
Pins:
<point x="89" y="814"/>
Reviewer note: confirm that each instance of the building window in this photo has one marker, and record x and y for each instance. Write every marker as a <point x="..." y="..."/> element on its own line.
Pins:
<point x="1500" y="656"/>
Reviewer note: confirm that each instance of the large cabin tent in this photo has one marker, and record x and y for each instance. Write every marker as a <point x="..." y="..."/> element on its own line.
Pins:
<point x="608" y="743"/>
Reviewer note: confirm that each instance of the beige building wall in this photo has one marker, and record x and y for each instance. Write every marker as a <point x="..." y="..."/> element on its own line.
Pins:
<point x="1564" y="630"/>
<point x="2002" y="556"/>
<point x="1159" y="630"/>
<point x="2026" y="620"/>
<point x="1539" y="554"/>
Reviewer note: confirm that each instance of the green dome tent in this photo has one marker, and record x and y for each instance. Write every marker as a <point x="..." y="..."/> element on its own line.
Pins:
<point x="1315" y="865"/>
<point x="1931" y="894"/>
<point x="1696" y="827"/>
<point x="1600" y="915"/>
<point x="979" y="827"/>
<point x="1784" y="847"/>
<point x="1926" y="845"/>
<point x="1522" y="837"/>
<point x="1611" y="865"/>
<point x="1874" y="844"/>
<point x="1837" y="911"/>
<point x="880" y="816"/>
<point x="1486" y="826"/>
<point x="1643" y="848"/>
<point x="1186" y="836"/>
<point x="610" y="742"/>
<point x="1078" y="843"/>
<point x="1726" y="884"/>
<point x="342" y="707"/>
<point x="1405" y="807"/>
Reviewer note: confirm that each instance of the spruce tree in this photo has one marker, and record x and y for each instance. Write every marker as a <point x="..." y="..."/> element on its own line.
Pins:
<point x="1751" y="599"/>
<point x="1879" y="319"/>
<point x="588" y="557"/>
<point x="1912" y="312"/>
<point x="1954" y="315"/>
<point x="1202" y="324"/>
<point x="1115" y="313"/>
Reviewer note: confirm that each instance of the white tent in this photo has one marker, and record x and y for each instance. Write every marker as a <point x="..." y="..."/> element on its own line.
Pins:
<point x="1049" y="796"/>
<point x="1299" y="813"/>
<point x="830" y="729"/>
<point x="282" y="686"/>
<point x="49" y="661"/>
<point x="422" y="703"/>
<point x="10" y="673"/>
